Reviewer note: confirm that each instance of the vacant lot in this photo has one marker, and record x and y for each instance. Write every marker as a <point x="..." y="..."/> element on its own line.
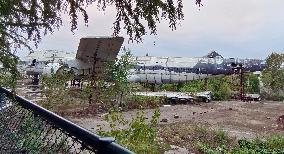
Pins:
<point x="239" y="119"/>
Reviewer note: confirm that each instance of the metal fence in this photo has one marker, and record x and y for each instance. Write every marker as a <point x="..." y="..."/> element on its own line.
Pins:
<point x="28" y="128"/>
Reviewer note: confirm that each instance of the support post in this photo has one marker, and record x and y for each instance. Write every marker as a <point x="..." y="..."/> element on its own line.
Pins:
<point x="241" y="83"/>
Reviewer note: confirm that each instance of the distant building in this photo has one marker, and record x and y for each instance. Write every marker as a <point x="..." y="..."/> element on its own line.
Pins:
<point x="49" y="56"/>
<point x="213" y="54"/>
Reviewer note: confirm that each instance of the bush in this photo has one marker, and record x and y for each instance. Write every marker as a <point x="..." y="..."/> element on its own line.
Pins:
<point x="54" y="89"/>
<point x="193" y="86"/>
<point x="202" y="140"/>
<point x="220" y="88"/>
<point x="195" y="138"/>
<point x="8" y="71"/>
<point x="252" y="83"/>
<point x="273" y="75"/>
<point x="143" y="102"/>
<point x="168" y="87"/>
<point x="273" y="96"/>
<point x="273" y="144"/>
<point x="139" y="135"/>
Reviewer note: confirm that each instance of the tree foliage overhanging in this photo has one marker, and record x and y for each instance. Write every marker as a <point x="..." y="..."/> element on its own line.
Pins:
<point x="27" y="20"/>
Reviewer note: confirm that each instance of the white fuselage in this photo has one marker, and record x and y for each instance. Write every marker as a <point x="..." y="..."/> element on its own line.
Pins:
<point x="160" y="70"/>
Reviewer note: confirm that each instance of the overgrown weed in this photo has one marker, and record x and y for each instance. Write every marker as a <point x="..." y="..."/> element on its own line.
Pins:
<point x="138" y="134"/>
<point x="202" y="140"/>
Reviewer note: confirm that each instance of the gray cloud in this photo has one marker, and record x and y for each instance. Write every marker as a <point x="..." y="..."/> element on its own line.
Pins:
<point x="233" y="28"/>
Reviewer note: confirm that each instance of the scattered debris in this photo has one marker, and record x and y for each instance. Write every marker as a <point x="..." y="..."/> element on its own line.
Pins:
<point x="280" y="121"/>
<point x="204" y="96"/>
<point x="164" y="120"/>
<point x="252" y="97"/>
<point x="167" y="105"/>
<point x="103" y="115"/>
<point x="176" y="116"/>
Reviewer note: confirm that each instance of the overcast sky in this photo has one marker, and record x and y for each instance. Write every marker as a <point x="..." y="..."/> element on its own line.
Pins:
<point x="234" y="28"/>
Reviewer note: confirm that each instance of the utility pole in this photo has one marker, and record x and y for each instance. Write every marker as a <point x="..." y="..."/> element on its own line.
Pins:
<point x="238" y="69"/>
<point x="241" y="82"/>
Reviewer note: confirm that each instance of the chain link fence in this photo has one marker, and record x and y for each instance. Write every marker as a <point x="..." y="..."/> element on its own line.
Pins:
<point x="28" y="128"/>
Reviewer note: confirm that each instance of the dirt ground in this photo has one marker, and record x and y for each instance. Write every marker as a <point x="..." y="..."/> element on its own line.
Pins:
<point x="238" y="119"/>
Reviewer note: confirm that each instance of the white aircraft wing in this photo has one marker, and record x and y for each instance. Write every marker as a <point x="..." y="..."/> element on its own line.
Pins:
<point x="98" y="50"/>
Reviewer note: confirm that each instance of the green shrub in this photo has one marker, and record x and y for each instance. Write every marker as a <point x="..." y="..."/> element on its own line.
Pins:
<point x="205" y="148"/>
<point x="8" y="70"/>
<point x="273" y="144"/>
<point x="202" y="140"/>
<point x="54" y="89"/>
<point x="273" y="96"/>
<point x="251" y="83"/>
<point x="168" y="87"/>
<point x="214" y="142"/>
<point x="139" y="135"/>
<point x="193" y="86"/>
<point x="142" y="102"/>
<point x="220" y="88"/>
<point x="276" y="142"/>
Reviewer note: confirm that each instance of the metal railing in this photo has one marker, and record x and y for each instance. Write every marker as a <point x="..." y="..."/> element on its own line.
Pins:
<point x="28" y="128"/>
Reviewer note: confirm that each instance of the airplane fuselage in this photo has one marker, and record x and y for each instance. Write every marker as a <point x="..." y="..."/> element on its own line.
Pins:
<point x="181" y="69"/>
<point x="160" y="70"/>
<point x="94" y="52"/>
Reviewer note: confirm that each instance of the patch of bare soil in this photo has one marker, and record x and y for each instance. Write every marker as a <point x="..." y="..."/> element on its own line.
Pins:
<point x="242" y="119"/>
<point x="238" y="119"/>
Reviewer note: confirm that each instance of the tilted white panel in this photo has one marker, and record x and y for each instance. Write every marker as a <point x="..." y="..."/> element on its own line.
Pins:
<point x="98" y="50"/>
